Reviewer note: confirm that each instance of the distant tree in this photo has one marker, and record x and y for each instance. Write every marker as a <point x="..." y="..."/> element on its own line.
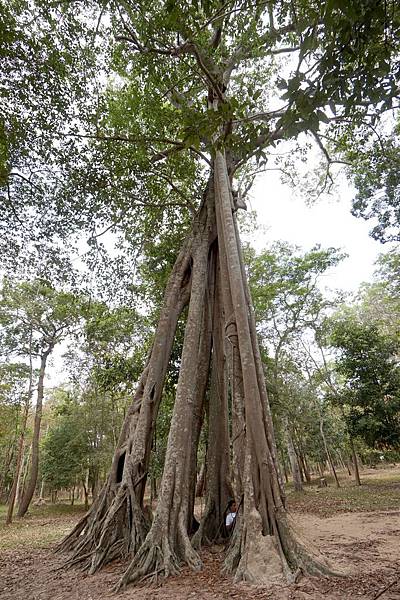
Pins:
<point x="14" y="405"/>
<point x="35" y="318"/>
<point x="288" y="305"/>
<point x="368" y="362"/>
<point x="65" y="448"/>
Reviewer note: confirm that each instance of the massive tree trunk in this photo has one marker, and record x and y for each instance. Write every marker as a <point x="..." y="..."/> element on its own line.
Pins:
<point x="263" y="543"/>
<point x="116" y="525"/>
<point x="167" y="544"/>
<point x="219" y="489"/>
<point x="30" y="488"/>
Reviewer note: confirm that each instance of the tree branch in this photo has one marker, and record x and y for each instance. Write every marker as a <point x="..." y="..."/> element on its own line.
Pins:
<point x="285" y="50"/>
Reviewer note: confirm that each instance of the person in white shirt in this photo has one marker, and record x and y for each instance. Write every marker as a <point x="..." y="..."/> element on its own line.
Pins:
<point x="231" y="515"/>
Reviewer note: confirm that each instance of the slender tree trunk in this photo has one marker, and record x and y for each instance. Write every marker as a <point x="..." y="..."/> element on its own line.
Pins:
<point x="305" y="467"/>
<point x="283" y="463"/>
<point x="355" y="463"/>
<point x="302" y="458"/>
<point x="294" y="463"/>
<point x="201" y="389"/>
<point x="94" y="481"/>
<point x="153" y="488"/>
<point x="21" y="443"/>
<point x="219" y="488"/>
<point x="328" y="454"/>
<point x="201" y="480"/>
<point x="41" y="500"/>
<point x="30" y="488"/>
<point x="85" y="484"/>
<point x="23" y="475"/>
<point x="17" y="475"/>
<point x="7" y="465"/>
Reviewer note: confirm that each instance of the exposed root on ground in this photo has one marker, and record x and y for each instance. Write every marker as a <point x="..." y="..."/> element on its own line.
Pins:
<point x="115" y="530"/>
<point x="156" y="560"/>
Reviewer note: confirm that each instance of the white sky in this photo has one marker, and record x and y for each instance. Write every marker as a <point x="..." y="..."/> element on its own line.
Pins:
<point x="285" y="216"/>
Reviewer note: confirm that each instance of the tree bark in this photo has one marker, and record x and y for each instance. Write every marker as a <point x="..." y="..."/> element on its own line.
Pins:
<point x="355" y="463"/>
<point x="219" y="488"/>
<point x="328" y="454"/>
<point x="31" y="485"/>
<point x="18" y="465"/>
<point x="21" y="443"/>
<point x="263" y="530"/>
<point x="294" y="464"/>
<point x="201" y="481"/>
<point x="167" y="544"/>
<point x="264" y="544"/>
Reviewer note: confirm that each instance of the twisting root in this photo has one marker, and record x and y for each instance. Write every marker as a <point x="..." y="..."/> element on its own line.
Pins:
<point x="116" y="529"/>
<point x="154" y="559"/>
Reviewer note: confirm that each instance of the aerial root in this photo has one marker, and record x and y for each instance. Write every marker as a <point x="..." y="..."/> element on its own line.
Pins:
<point x="155" y="561"/>
<point x="116" y="529"/>
<point x="152" y="561"/>
<point x="69" y="541"/>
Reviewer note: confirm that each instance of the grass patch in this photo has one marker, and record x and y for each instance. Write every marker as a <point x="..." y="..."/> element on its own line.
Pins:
<point x="378" y="492"/>
<point x="42" y="526"/>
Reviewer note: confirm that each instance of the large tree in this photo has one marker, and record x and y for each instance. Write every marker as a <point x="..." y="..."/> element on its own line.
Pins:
<point x="203" y="93"/>
<point x="207" y="89"/>
<point x="289" y="306"/>
<point x="370" y="392"/>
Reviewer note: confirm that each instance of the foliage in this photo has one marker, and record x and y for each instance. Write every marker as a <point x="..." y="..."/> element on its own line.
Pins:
<point x="289" y="305"/>
<point x="375" y="167"/>
<point x="131" y="156"/>
<point x="35" y="316"/>
<point x="65" y="449"/>
<point x="368" y="363"/>
<point x="284" y="286"/>
<point x="115" y="340"/>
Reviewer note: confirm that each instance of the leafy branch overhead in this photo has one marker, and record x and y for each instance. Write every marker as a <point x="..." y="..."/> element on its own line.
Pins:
<point x="182" y="80"/>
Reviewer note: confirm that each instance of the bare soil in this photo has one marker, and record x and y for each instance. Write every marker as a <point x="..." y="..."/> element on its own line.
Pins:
<point x="363" y="545"/>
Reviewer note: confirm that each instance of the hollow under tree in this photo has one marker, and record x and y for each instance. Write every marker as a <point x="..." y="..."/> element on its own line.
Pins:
<point x="205" y="58"/>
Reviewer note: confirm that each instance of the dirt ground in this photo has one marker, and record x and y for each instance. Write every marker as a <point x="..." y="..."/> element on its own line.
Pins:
<point x="362" y="544"/>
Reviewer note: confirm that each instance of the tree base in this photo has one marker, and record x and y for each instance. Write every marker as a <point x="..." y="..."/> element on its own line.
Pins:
<point x="115" y="527"/>
<point x="156" y="560"/>
<point x="263" y="559"/>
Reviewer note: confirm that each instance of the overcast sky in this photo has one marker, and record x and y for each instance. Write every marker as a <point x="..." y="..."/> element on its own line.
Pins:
<point x="285" y="216"/>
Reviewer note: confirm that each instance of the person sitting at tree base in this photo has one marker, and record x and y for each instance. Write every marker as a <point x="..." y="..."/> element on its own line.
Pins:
<point x="231" y="516"/>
